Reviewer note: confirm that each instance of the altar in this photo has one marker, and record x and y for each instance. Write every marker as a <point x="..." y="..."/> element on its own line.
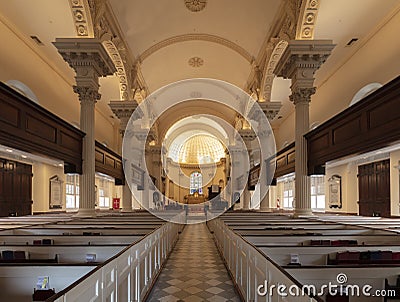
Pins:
<point x="195" y="198"/>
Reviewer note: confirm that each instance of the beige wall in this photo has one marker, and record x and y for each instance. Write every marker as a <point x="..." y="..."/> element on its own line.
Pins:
<point x="183" y="189"/>
<point x="348" y="172"/>
<point x="41" y="186"/>
<point x="394" y="182"/>
<point x="376" y="61"/>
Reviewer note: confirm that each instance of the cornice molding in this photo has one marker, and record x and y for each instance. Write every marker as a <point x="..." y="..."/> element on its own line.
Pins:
<point x="196" y="37"/>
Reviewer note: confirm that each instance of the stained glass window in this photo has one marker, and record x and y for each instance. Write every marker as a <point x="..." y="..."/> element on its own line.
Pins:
<point x="196" y="183"/>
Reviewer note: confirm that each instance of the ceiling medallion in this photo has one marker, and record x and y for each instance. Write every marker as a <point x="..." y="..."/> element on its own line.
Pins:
<point x="196" y="62"/>
<point x="195" y="5"/>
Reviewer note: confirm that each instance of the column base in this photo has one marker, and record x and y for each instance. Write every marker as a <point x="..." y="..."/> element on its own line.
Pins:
<point x="86" y="213"/>
<point x="127" y="210"/>
<point x="298" y="213"/>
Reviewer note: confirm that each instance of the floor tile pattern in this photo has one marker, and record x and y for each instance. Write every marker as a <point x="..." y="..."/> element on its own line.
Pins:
<point x="194" y="272"/>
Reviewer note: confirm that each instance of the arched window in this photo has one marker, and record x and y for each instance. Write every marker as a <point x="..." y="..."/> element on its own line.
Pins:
<point x="365" y="91"/>
<point x="196" y="183"/>
<point x="23" y="89"/>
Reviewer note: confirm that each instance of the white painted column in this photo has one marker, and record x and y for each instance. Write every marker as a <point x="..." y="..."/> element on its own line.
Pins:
<point x="90" y="61"/>
<point x="235" y="154"/>
<point x="299" y="62"/>
<point x="248" y="136"/>
<point x="302" y="182"/>
<point x="123" y="110"/>
<point x="264" y="204"/>
<point x="87" y="198"/>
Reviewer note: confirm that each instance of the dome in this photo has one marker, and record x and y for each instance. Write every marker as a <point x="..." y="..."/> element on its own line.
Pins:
<point x="201" y="149"/>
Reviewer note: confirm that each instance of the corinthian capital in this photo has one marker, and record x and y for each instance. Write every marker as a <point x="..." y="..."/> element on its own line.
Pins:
<point x="302" y="95"/>
<point x="87" y="94"/>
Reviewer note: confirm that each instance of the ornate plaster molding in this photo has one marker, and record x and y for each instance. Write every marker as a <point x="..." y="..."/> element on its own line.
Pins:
<point x="94" y="18"/>
<point x="123" y="110"/>
<point x="302" y="95"/>
<point x="196" y="62"/>
<point x="283" y="29"/>
<point x="301" y="59"/>
<point x="125" y="92"/>
<point x="196" y="37"/>
<point x="82" y="18"/>
<point x="87" y="56"/>
<point x="195" y="5"/>
<point x="307" y="20"/>
<point x="268" y="73"/>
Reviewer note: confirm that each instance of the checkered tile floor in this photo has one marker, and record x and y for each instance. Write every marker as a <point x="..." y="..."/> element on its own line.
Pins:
<point x="194" y="272"/>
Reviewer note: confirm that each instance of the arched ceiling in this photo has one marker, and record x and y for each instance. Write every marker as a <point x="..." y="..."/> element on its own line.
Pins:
<point x="146" y="23"/>
<point x="189" y="108"/>
<point x="165" y="35"/>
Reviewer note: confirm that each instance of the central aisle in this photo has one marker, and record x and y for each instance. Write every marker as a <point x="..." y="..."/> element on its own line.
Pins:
<point x="194" y="272"/>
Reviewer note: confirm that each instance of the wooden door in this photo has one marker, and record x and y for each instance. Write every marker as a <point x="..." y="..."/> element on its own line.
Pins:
<point x="15" y="188"/>
<point x="374" y="189"/>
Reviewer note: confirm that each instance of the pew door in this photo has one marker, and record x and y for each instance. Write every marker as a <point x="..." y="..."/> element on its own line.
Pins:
<point x="15" y="188"/>
<point x="374" y="189"/>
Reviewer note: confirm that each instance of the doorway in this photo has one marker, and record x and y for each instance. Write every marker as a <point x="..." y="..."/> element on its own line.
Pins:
<point x="374" y="189"/>
<point x="15" y="188"/>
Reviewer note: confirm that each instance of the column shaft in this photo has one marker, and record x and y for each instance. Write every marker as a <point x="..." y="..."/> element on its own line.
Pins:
<point x="302" y="182"/>
<point x="87" y="199"/>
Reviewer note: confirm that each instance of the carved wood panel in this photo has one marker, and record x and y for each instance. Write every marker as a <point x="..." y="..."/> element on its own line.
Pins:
<point x="27" y="126"/>
<point x="368" y="125"/>
<point x="15" y="188"/>
<point x="374" y="189"/>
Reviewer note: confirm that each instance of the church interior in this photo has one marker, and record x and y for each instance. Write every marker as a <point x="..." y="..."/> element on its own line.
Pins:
<point x="199" y="150"/>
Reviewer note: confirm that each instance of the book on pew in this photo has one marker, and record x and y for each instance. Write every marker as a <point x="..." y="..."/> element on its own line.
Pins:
<point x="47" y="241"/>
<point x="42" y="291"/>
<point x="7" y="255"/>
<point x="20" y="255"/>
